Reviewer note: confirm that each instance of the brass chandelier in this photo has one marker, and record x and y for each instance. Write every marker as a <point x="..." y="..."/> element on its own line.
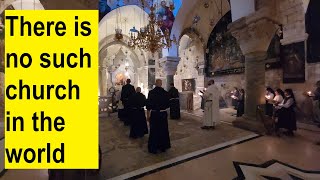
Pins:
<point x="151" y="38"/>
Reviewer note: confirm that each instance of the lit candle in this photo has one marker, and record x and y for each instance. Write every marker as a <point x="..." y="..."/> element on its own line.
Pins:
<point x="309" y="93"/>
<point x="268" y="96"/>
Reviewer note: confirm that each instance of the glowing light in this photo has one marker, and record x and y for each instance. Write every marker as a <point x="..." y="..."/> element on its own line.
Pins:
<point x="309" y="93"/>
<point x="127" y="64"/>
<point x="268" y="96"/>
<point x="127" y="74"/>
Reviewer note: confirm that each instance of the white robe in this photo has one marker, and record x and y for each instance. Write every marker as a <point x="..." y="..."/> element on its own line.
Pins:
<point x="211" y="108"/>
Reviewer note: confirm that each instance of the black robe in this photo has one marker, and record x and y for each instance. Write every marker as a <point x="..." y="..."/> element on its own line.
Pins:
<point x="158" y="101"/>
<point x="234" y="101"/>
<point x="287" y="118"/>
<point x="269" y="108"/>
<point x="174" y="103"/>
<point x="126" y="93"/>
<point x="240" y="109"/>
<point x="137" y="116"/>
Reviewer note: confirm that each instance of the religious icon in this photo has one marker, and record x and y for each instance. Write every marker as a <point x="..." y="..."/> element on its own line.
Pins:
<point x="293" y="60"/>
<point x="165" y="15"/>
<point x="188" y="85"/>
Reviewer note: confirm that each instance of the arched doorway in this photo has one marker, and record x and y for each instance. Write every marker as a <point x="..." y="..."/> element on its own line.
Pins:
<point x="189" y="76"/>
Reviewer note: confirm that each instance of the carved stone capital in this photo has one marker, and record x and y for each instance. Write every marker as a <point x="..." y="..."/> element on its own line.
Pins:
<point x="253" y="35"/>
<point x="169" y="64"/>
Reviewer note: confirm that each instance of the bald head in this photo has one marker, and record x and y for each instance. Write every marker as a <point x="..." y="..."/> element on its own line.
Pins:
<point x="158" y="83"/>
<point x="128" y="81"/>
<point x="138" y="89"/>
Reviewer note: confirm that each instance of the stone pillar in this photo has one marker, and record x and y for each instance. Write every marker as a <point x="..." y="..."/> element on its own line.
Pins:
<point x="169" y="81"/>
<point x="255" y="82"/>
<point x="170" y="68"/>
<point x="254" y="34"/>
<point x="103" y="81"/>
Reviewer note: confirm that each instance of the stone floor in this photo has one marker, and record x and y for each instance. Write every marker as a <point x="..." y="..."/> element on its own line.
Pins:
<point x="299" y="152"/>
<point x="186" y="137"/>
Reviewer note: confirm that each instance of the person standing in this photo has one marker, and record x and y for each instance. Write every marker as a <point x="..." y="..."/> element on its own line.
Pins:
<point x="174" y="102"/>
<point x="137" y="116"/>
<point x="157" y="104"/>
<point x="211" y="107"/>
<point x="269" y="106"/>
<point x="127" y="91"/>
<point x="240" y="109"/>
<point x="286" y="114"/>
<point x="235" y="96"/>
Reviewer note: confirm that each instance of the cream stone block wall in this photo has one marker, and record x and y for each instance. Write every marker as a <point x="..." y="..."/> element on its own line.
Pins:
<point x="274" y="79"/>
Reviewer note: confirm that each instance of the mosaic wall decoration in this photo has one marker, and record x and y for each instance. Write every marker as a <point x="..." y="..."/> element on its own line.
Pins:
<point x="224" y="55"/>
<point x="103" y="8"/>
<point x="223" y="50"/>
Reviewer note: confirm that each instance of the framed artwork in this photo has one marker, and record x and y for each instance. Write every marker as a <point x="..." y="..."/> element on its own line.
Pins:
<point x="293" y="62"/>
<point x="189" y="85"/>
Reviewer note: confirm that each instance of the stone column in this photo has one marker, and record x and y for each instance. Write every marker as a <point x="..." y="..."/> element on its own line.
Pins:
<point x="254" y="34"/>
<point x="255" y="82"/>
<point x="103" y="81"/>
<point x="170" y="68"/>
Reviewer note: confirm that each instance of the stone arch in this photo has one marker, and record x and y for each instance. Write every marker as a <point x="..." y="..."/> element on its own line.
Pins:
<point x="108" y="41"/>
<point x="191" y="54"/>
<point x="183" y="21"/>
<point x="26" y="5"/>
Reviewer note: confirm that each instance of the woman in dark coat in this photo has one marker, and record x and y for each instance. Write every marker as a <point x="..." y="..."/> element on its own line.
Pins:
<point x="137" y="117"/>
<point x="240" y="109"/>
<point x="270" y="94"/>
<point x="286" y="114"/>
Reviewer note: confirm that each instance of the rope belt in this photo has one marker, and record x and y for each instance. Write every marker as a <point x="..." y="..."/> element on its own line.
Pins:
<point x="164" y="110"/>
<point x="173" y="98"/>
<point x="138" y="108"/>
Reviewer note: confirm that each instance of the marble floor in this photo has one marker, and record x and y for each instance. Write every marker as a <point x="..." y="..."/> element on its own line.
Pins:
<point x="298" y="152"/>
<point x="185" y="134"/>
<point x="226" y="153"/>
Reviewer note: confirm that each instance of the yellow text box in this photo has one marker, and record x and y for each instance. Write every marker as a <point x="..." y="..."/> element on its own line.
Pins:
<point x="74" y="122"/>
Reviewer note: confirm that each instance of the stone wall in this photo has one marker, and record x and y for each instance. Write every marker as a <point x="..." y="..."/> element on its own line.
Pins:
<point x="273" y="79"/>
<point x="292" y="17"/>
<point x="192" y="59"/>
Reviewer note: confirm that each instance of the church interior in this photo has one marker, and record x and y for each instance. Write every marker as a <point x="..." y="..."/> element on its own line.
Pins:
<point x="254" y="49"/>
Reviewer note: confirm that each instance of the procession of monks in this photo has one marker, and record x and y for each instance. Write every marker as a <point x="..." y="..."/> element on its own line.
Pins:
<point x="157" y="105"/>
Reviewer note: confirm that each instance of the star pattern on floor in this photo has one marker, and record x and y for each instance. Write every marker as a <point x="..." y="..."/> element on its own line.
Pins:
<point x="273" y="170"/>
